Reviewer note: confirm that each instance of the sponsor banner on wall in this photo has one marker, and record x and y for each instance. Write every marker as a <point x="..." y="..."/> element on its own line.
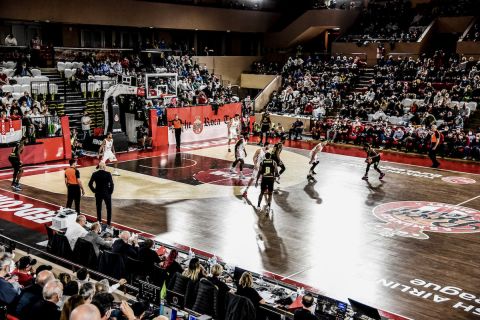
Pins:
<point x="202" y="122"/>
<point x="10" y="131"/>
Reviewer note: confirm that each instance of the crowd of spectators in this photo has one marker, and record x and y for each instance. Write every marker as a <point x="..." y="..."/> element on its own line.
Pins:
<point x="39" y="121"/>
<point x="313" y="84"/>
<point x="390" y="20"/>
<point x="405" y="97"/>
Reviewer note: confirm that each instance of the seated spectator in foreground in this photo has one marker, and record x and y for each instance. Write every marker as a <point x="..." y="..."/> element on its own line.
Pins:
<point x="24" y="270"/>
<point x="195" y="270"/>
<point x="82" y="276"/>
<point x="76" y="230"/>
<point x="147" y="256"/>
<point x="71" y="288"/>
<point x="104" y="303"/>
<point x="171" y="264"/>
<point x="93" y="236"/>
<point x="126" y="246"/>
<point x="9" y="287"/>
<point x="85" y="312"/>
<point x="103" y="286"/>
<point x="307" y="311"/>
<point x="47" y="307"/>
<point x="70" y="304"/>
<point x="64" y="278"/>
<point x="216" y="271"/>
<point x="245" y="289"/>
<point x="87" y="291"/>
<point x="33" y="293"/>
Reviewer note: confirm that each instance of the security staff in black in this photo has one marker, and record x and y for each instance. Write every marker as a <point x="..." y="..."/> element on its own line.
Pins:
<point x="103" y="190"/>
<point x="268" y="172"/>
<point x="14" y="159"/>
<point x="265" y="125"/>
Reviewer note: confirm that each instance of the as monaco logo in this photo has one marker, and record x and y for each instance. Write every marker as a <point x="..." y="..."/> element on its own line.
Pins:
<point x="197" y="125"/>
<point x="411" y="219"/>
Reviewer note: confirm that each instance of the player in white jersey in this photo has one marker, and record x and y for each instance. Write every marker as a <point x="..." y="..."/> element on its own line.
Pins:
<point x="258" y="157"/>
<point x="240" y="154"/>
<point x="233" y="129"/>
<point x="107" y="153"/>
<point x="314" y="159"/>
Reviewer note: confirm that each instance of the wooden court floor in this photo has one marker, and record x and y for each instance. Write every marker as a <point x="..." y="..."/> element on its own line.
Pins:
<point x="399" y="244"/>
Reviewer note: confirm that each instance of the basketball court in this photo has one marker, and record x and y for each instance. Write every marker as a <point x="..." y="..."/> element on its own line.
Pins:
<point x="400" y="244"/>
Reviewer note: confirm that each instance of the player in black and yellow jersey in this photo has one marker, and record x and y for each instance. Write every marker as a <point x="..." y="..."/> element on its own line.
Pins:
<point x="268" y="172"/>
<point x="16" y="162"/>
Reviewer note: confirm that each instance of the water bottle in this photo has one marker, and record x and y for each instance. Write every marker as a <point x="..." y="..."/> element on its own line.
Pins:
<point x="191" y="254"/>
<point x="214" y="260"/>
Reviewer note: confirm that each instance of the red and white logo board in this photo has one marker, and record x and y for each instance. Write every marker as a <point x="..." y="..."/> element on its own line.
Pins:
<point x="202" y="123"/>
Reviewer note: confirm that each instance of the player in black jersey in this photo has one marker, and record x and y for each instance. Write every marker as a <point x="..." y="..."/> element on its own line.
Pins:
<point x="276" y="151"/>
<point x="268" y="172"/>
<point x="265" y="125"/>
<point x="373" y="157"/>
<point x="14" y="159"/>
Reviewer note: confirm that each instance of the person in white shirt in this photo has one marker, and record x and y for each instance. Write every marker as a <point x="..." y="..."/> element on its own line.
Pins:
<point x="76" y="230"/>
<point x="86" y="122"/>
<point x="10" y="40"/>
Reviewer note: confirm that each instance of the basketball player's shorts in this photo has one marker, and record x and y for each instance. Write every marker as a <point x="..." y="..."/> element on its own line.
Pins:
<point x="233" y="134"/>
<point x="267" y="185"/>
<point x="265" y="128"/>
<point x="108" y="156"/>
<point x="15" y="162"/>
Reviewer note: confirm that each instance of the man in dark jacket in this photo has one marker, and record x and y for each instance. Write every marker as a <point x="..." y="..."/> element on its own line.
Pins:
<point x="238" y="307"/>
<point x="103" y="190"/>
<point x="148" y="256"/>
<point x="33" y="293"/>
<point x="47" y="307"/>
<point x="306" y="313"/>
<point x="126" y="246"/>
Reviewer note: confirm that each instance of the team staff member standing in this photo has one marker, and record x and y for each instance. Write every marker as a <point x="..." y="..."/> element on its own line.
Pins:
<point x="177" y="126"/>
<point x="14" y="159"/>
<point x="103" y="190"/>
<point x="74" y="185"/>
<point x="434" y="142"/>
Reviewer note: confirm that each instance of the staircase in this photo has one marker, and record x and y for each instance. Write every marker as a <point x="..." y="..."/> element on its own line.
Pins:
<point x="68" y="101"/>
<point x="364" y="80"/>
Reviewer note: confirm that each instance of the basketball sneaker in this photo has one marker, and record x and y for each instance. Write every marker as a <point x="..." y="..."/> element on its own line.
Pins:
<point x="365" y="178"/>
<point x="381" y="175"/>
<point x="242" y="176"/>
